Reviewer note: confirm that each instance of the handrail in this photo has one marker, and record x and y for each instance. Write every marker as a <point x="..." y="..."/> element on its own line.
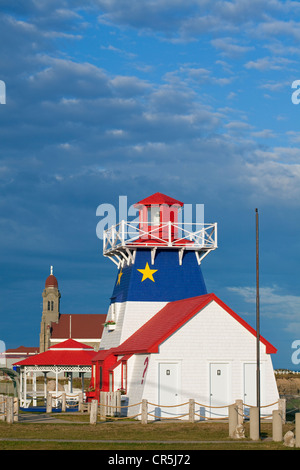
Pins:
<point x="117" y="235"/>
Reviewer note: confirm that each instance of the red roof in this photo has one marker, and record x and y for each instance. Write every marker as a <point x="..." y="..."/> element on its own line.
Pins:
<point x="51" y="281"/>
<point x="84" y="326"/>
<point x="168" y="320"/>
<point x="23" y="350"/>
<point x="157" y="199"/>
<point x="69" y="352"/>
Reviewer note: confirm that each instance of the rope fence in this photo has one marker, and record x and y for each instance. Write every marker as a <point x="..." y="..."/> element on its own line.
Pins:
<point x="110" y="407"/>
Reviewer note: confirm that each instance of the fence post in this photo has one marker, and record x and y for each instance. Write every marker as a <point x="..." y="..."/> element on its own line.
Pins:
<point x="191" y="410"/>
<point x="282" y="409"/>
<point x="118" y="403"/>
<point x="277" y="426"/>
<point x="63" y="401"/>
<point x="239" y="406"/>
<point x="80" y="402"/>
<point x="16" y="409"/>
<point x="232" y="418"/>
<point x="2" y="408"/>
<point x="254" y="423"/>
<point x="49" y="403"/>
<point x="9" y="409"/>
<point x="297" y="429"/>
<point x="102" y="405"/>
<point x="144" y="418"/>
<point x="94" y="412"/>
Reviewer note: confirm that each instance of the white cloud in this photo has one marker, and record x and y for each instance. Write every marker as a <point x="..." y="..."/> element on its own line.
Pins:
<point x="269" y="63"/>
<point x="273" y="303"/>
<point x="229" y="47"/>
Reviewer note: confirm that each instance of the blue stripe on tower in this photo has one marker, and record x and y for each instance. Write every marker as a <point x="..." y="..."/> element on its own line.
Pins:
<point x="165" y="280"/>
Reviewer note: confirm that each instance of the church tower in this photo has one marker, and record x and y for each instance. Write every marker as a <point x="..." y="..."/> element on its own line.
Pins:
<point x="50" y="314"/>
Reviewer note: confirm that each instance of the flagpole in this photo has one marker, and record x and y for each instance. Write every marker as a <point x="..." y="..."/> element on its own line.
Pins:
<point x="257" y="324"/>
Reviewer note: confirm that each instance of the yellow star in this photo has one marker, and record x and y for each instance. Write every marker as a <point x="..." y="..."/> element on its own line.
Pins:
<point x="119" y="277"/>
<point x="147" y="273"/>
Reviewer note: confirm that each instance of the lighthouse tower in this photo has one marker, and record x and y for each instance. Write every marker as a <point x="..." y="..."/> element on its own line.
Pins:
<point x="158" y="261"/>
<point x="166" y="340"/>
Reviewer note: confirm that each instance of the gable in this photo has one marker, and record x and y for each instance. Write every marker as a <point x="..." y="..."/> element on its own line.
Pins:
<point x="169" y="319"/>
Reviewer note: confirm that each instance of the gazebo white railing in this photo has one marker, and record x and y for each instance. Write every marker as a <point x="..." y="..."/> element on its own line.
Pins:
<point x="27" y="397"/>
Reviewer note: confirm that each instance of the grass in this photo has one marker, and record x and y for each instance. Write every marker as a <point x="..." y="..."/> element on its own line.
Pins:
<point x="78" y="434"/>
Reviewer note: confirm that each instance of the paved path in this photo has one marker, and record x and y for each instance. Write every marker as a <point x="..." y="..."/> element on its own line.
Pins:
<point x="41" y="418"/>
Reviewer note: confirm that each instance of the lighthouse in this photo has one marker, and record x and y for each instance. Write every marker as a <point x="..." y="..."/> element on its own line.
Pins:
<point x="158" y="260"/>
<point x="166" y="339"/>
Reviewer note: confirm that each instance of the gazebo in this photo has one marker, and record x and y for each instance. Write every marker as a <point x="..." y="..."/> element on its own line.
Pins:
<point x="70" y="357"/>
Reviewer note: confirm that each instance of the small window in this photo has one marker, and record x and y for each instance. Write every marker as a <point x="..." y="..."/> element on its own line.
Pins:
<point x="52" y="305"/>
<point x="111" y="381"/>
<point x="100" y="378"/>
<point x="124" y="376"/>
<point x="113" y="311"/>
<point x="48" y="304"/>
<point x="154" y="215"/>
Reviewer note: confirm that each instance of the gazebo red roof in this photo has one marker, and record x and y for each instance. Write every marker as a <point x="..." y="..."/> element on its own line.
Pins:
<point x="67" y="353"/>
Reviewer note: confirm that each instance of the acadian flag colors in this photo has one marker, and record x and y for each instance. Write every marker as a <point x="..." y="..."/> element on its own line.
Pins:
<point x="165" y="280"/>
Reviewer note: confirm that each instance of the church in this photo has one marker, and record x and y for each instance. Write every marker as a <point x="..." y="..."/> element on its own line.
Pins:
<point x="57" y="327"/>
<point x="167" y="339"/>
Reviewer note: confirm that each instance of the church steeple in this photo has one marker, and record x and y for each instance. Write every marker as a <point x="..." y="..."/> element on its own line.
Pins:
<point x="51" y="300"/>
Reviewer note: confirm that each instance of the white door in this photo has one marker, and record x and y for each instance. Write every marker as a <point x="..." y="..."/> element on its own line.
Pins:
<point x="168" y="395"/>
<point x="219" y="389"/>
<point x="250" y="384"/>
<point x="250" y="389"/>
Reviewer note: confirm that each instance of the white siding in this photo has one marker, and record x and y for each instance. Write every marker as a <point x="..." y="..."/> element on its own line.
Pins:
<point x="212" y="335"/>
<point x="130" y="316"/>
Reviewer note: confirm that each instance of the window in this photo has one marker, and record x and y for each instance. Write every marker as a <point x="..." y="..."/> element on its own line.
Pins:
<point x="111" y="381"/>
<point x="113" y="309"/>
<point x="124" y="376"/>
<point x="48" y="304"/>
<point x="100" y="378"/>
<point x="154" y="215"/>
<point x="52" y="305"/>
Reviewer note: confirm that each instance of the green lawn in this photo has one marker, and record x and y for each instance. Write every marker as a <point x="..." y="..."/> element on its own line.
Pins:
<point x="164" y="436"/>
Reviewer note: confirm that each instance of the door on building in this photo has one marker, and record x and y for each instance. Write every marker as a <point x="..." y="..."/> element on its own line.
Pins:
<point x="250" y="384"/>
<point x="250" y="390"/>
<point x="219" y="389"/>
<point x="168" y="389"/>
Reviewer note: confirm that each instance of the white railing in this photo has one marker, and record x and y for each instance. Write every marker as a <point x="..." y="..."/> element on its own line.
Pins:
<point x="167" y="235"/>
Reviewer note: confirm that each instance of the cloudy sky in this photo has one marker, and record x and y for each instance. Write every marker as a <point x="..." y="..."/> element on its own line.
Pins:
<point x="110" y="98"/>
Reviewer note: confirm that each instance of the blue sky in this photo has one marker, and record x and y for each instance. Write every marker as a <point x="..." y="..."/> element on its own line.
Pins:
<point x="189" y="98"/>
